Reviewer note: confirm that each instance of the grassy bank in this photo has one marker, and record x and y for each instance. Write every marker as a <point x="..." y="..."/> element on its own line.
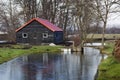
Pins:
<point x="109" y="68"/>
<point x="108" y="49"/>
<point x="13" y="51"/>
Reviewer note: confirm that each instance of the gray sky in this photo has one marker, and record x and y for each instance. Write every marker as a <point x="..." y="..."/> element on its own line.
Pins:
<point x="114" y="19"/>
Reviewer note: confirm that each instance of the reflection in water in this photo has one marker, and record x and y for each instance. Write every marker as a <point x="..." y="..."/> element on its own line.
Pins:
<point x="52" y="66"/>
<point x="11" y="70"/>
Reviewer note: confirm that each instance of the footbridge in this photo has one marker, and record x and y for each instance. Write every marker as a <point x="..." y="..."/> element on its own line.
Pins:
<point x="96" y="45"/>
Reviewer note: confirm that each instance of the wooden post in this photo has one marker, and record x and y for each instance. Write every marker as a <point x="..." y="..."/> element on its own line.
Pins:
<point x="82" y="47"/>
<point x="82" y="50"/>
<point x="73" y="45"/>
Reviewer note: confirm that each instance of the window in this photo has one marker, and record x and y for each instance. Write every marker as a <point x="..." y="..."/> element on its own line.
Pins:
<point x="24" y="35"/>
<point x="45" y="35"/>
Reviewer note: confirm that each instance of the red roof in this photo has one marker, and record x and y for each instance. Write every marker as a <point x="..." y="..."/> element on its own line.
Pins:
<point x="44" y="22"/>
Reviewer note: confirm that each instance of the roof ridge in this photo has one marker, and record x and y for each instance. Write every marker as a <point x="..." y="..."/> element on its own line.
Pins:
<point x="44" y="22"/>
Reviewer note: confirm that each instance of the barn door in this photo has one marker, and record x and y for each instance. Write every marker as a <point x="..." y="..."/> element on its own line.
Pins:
<point x="35" y="38"/>
<point x="58" y="37"/>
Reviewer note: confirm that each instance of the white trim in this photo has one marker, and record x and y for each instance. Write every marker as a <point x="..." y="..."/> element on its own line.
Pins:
<point x="24" y="35"/>
<point x="45" y="35"/>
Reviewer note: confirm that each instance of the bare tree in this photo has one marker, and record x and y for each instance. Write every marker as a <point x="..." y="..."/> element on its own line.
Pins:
<point x="29" y="8"/>
<point x="9" y="18"/>
<point x="83" y="18"/>
<point x="103" y="9"/>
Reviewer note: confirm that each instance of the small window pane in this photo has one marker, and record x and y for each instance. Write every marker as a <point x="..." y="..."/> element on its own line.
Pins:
<point x="45" y="35"/>
<point x="24" y="35"/>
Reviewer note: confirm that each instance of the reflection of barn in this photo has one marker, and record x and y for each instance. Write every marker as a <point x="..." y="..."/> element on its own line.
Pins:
<point x="38" y="64"/>
<point x="37" y="31"/>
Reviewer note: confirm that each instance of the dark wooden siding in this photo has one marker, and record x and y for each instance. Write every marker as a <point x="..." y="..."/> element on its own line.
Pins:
<point x="35" y="33"/>
<point x="58" y="37"/>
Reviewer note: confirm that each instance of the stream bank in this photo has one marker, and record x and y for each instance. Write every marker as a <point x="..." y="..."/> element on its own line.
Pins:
<point x="8" y="52"/>
<point x="53" y="66"/>
<point x="109" y="69"/>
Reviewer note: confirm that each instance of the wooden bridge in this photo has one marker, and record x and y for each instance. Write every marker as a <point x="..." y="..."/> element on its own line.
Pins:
<point x="96" y="45"/>
<point x="99" y="36"/>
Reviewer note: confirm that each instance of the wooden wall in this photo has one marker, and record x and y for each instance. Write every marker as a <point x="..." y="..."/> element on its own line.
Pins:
<point x="35" y="33"/>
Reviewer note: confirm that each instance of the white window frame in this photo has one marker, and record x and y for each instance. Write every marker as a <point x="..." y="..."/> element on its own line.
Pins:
<point x="45" y="35"/>
<point x="23" y="35"/>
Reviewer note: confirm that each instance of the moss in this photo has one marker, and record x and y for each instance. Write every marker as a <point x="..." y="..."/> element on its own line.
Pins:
<point x="109" y="68"/>
<point x="19" y="50"/>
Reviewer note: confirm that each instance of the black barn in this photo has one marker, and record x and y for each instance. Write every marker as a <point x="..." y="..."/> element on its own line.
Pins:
<point x="37" y="31"/>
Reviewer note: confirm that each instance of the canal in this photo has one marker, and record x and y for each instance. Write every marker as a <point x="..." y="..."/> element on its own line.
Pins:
<point x="61" y="66"/>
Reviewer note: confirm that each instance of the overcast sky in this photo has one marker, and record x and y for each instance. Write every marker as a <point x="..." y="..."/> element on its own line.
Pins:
<point x="114" y="19"/>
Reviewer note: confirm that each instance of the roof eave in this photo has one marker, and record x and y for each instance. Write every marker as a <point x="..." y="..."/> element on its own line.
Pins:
<point x="24" y="25"/>
<point x="37" y="21"/>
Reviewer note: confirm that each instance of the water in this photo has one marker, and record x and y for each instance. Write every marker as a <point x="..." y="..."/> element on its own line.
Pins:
<point x="46" y="66"/>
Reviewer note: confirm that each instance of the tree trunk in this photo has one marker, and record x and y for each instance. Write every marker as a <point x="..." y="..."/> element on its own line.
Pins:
<point x="103" y="35"/>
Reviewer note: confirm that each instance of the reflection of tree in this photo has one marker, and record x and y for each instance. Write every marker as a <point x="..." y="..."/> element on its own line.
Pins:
<point x="81" y="64"/>
<point x="48" y="63"/>
<point x="39" y="65"/>
<point x="45" y="58"/>
<point x="60" y="67"/>
<point x="30" y="71"/>
<point x="29" y="68"/>
<point x="67" y="66"/>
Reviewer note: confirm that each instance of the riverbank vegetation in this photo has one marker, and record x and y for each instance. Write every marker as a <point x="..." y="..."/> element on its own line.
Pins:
<point x="109" y="69"/>
<point x="8" y="52"/>
<point x="108" y="49"/>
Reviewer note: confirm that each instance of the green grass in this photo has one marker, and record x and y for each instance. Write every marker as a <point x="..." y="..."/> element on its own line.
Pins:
<point x="109" y="68"/>
<point x="13" y="51"/>
<point x="108" y="49"/>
